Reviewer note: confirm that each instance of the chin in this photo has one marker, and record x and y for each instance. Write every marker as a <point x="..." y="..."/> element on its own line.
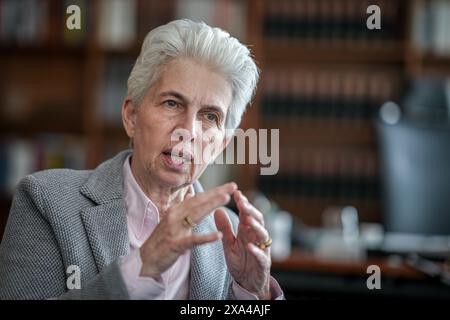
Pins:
<point x="173" y="179"/>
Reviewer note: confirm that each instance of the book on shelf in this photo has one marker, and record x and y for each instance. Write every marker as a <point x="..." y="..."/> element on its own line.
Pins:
<point x="113" y="89"/>
<point x="325" y="174"/>
<point x="152" y="14"/>
<point x="41" y="23"/>
<point x="430" y="24"/>
<point x="228" y="15"/>
<point x="117" y="23"/>
<point x="24" y="22"/>
<point x="331" y="21"/>
<point x="347" y="96"/>
<point x="20" y="157"/>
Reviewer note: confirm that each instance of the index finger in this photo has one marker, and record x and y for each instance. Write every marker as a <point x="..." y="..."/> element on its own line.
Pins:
<point x="190" y="193"/>
<point x="203" y="203"/>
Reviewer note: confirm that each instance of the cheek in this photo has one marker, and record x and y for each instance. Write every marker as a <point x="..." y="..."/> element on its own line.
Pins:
<point x="149" y="137"/>
<point x="212" y="146"/>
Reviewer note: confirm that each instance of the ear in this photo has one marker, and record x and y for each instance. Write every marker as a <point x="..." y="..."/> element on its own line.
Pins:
<point x="129" y="114"/>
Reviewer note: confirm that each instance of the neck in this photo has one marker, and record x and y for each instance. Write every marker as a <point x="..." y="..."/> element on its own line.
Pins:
<point x="162" y="196"/>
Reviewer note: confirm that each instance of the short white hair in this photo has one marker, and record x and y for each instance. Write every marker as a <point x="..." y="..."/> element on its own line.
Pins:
<point x="212" y="46"/>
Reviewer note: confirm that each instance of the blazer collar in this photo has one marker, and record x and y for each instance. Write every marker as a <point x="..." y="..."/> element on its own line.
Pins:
<point x="106" y="222"/>
<point x="106" y="181"/>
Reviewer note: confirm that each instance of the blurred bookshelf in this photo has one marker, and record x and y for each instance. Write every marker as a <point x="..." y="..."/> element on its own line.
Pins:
<point x="61" y="90"/>
<point x="324" y="77"/>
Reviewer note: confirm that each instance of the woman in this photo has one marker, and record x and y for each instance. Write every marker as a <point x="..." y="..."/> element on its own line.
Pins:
<point x="139" y="226"/>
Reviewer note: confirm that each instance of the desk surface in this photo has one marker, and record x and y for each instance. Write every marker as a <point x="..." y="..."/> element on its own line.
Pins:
<point x="303" y="276"/>
<point x="304" y="261"/>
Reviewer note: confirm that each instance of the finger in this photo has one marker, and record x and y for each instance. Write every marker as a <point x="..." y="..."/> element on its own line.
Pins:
<point x="179" y="199"/>
<point x="190" y="193"/>
<point x="245" y="207"/>
<point x="202" y="197"/>
<point x="202" y="204"/>
<point x="227" y="188"/>
<point x="262" y="235"/>
<point x="261" y="256"/>
<point x="223" y="224"/>
<point x="198" y="212"/>
<point x="199" y="239"/>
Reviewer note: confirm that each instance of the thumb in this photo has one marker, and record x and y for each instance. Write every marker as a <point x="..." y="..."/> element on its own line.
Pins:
<point x="223" y="224"/>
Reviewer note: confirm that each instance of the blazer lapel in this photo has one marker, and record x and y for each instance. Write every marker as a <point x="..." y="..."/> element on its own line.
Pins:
<point x="105" y="222"/>
<point x="208" y="270"/>
<point x="106" y="227"/>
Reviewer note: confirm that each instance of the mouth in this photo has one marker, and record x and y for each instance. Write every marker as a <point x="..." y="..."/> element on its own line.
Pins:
<point x="179" y="155"/>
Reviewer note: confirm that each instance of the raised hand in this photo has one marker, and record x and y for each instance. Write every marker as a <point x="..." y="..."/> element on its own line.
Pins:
<point x="173" y="235"/>
<point x="248" y="252"/>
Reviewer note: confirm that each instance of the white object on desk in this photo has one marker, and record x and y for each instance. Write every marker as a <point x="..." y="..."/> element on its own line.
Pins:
<point x="280" y="229"/>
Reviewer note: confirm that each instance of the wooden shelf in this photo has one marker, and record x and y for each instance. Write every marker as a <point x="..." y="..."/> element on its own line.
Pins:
<point x="43" y="50"/>
<point x="32" y="128"/>
<point x="303" y="261"/>
<point x="132" y="51"/>
<point x="319" y="131"/>
<point x="310" y="209"/>
<point x="64" y="49"/>
<point x="281" y="52"/>
<point x="433" y="59"/>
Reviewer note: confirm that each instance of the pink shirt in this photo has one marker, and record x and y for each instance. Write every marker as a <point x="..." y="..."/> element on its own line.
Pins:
<point x="142" y="218"/>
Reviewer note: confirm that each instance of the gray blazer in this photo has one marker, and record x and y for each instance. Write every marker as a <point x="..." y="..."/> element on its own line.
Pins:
<point x="67" y="217"/>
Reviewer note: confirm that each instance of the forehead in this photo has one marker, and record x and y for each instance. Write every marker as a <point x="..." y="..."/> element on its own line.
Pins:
<point x="195" y="81"/>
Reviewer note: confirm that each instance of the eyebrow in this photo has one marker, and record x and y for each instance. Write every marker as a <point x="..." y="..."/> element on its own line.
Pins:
<point x="185" y="100"/>
<point x="175" y="94"/>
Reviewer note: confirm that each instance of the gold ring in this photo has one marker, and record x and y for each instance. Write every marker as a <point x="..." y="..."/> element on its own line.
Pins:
<point x="266" y="244"/>
<point x="188" y="223"/>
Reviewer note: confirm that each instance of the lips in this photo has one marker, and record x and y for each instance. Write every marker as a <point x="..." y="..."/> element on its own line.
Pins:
<point x="184" y="155"/>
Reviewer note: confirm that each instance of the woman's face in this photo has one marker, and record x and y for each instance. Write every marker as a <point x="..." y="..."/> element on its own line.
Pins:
<point x="188" y="100"/>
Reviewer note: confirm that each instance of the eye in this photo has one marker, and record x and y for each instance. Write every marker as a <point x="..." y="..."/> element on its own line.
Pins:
<point x="172" y="104"/>
<point x="212" y="117"/>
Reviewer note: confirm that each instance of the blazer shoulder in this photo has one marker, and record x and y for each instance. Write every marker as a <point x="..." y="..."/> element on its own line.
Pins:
<point x="52" y="174"/>
<point x="57" y="178"/>
<point x="56" y="182"/>
<point x="55" y="193"/>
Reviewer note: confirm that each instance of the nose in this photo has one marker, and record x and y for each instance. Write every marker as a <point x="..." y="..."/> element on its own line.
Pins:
<point x="189" y="127"/>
